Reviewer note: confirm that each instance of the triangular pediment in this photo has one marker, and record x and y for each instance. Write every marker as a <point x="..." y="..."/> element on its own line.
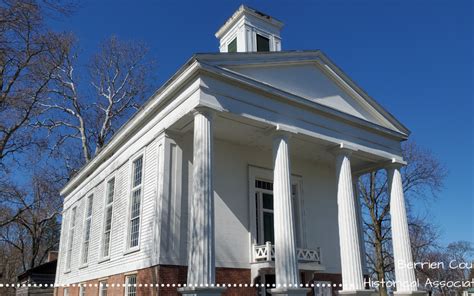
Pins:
<point x="309" y="82"/>
<point x="314" y="79"/>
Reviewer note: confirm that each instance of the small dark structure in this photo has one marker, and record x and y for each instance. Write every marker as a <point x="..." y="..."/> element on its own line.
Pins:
<point x="42" y="276"/>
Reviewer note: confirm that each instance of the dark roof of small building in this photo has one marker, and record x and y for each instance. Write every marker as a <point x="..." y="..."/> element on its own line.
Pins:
<point x="48" y="268"/>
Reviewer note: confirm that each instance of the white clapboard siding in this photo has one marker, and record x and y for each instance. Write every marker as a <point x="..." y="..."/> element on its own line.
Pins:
<point x="119" y="261"/>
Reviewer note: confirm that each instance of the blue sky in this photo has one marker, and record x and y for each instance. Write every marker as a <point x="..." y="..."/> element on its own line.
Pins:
<point x="413" y="57"/>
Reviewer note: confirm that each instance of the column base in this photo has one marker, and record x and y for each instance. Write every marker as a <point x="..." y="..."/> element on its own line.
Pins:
<point x="357" y="292"/>
<point x="289" y="291"/>
<point x="410" y="293"/>
<point x="202" y="291"/>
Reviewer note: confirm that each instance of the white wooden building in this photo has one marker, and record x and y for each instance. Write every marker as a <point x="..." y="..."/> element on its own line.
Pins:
<point x="239" y="169"/>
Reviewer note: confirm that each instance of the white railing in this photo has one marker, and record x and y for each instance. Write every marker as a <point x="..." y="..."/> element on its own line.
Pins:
<point x="266" y="252"/>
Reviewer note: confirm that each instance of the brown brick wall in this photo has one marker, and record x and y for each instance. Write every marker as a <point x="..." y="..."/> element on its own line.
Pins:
<point x="166" y="274"/>
<point x="235" y="276"/>
<point x="171" y="274"/>
<point x="115" y="285"/>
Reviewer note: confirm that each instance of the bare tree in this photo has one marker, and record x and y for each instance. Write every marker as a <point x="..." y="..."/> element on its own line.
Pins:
<point x="28" y="53"/>
<point x="30" y="217"/>
<point x="44" y="104"/>
<point x="454" y="253"/>
<point x="423" y="237"/>
<point x="10" y="267"/>
<point x="424" y="174"/>
<point x="118" y="77"/>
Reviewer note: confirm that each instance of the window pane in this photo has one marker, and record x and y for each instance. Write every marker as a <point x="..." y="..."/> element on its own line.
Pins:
<point x="264" y="185"/>
<point x="105" y="252"/>
<point x="137" y="171"/>
<point x="85" y="247"/>
<point x="268" y="227"/>
<point x="87" y="230"/>
<point x="110" y="191"/>
<point x="89" y="206"/>
<point x="232" y="47"/>
<point x="108" y="218"/>
<point x="134" y="230"/>
<point x="257" y="207"/>
<point x="103" y="288"/>
<point x="136" y="203"/>
<point x="267" y="201"/>
<point x="131" y="288"/>
<point x="263" y="43"/>
<point x="71" y="238"/>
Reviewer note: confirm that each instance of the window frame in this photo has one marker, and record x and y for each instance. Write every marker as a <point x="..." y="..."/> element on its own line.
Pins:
<point x="70" y="240"/>
<point x="131" y="189"/>
<point x="127" y="277"/>
<point x="82" y="289"/>
<point x="104" y="221"/>
<point x="103" y="286"/>
<point x="89" y="196"/>
<point x="261" y="210"/>
<point x="66" y="291"/>
<point x="265" y="174"/>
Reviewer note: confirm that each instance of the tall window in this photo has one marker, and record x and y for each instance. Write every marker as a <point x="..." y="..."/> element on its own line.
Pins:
<point x="103" y="288"/>
<point x="136" y="194"/>
<point x="131" y="285"/>
<point x="263" y="43"/>
<point x="87" y="229"/>
<point x="264" y="205"/>
<point x="70" y="241"/>
<point x="232" y="46"/>
<point x="66" y="292"/>
<point x="109" y="200"/>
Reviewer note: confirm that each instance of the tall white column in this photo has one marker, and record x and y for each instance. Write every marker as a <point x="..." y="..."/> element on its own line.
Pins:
<point x="286" y="263"/>
<point x="351" y="264"/>
<point x="201" y="257"/>
<point x="405" y="276"/>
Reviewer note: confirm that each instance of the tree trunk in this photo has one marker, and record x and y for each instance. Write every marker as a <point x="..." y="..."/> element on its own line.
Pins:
<point x="379" y="267"/>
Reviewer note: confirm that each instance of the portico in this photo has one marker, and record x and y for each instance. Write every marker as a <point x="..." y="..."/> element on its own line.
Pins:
<point x="349" y="161"/>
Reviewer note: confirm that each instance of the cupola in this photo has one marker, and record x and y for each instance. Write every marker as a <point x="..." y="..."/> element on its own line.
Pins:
<point x="249" y="30"/>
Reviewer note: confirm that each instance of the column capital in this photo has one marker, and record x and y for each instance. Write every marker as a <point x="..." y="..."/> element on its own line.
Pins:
<point x="204" y="110"/>
<point x="395" y="164"/>
<point x="282" y="131"/>
<point x="343" y="149"/>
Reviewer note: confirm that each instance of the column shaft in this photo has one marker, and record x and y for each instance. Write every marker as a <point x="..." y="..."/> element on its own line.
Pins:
<point x="351" y="265"/>
<point x="201" y="258"/>
<point x="405" y="277"/>
<point x="286" y="264"/>
<point x="360" y="223"/>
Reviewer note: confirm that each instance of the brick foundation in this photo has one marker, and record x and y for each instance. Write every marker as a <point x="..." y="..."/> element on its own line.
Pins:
<point x="172" y="274"/>
<point x="167" y="275"/>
